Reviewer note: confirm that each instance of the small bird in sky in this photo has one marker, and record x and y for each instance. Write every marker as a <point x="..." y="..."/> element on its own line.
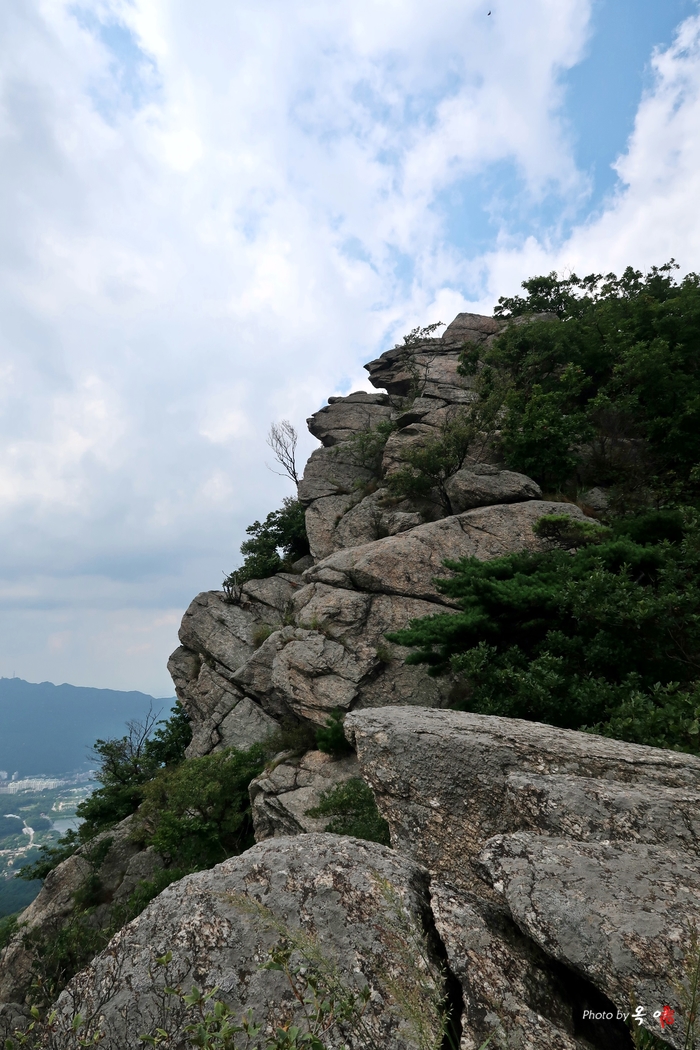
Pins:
<point x="489" y="12"/>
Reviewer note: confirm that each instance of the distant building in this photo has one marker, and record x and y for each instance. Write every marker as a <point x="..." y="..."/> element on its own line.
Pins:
<point x="30" y="784"/>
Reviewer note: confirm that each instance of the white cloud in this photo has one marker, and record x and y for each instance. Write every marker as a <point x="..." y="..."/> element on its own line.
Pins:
<point x="653" y="215"/>
<point x="212" y="217"/>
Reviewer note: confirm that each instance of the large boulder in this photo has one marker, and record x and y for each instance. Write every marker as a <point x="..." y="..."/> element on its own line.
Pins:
<point x="482" y="485"/>
<point x="336" y="522"/>
<point x="407" y="564"/>
<point x="447" y="781"/>
<point x="289" y="787"/>
<point x="343" y="417"/>
<point x="586" y="846"/>
<point x="306" y="673"/>
<point x="359" y="618"/>
<point x="353" y="912"/>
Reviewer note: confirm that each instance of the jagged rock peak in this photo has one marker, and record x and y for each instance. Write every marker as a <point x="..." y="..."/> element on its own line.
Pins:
<point x="431" y="364"/>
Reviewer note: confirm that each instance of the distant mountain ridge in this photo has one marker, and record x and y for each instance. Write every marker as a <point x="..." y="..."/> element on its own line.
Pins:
<point x="47" y="728"/>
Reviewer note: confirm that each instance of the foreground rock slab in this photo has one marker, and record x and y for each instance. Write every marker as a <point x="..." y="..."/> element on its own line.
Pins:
<point x="622" y="915"/>
<point x="358" y="907"/>
<point x="448" y="781"/>
<point x="565" y="866"/>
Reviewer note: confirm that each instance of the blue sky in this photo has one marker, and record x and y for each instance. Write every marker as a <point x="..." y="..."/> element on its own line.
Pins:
<point x="212" y="217"/>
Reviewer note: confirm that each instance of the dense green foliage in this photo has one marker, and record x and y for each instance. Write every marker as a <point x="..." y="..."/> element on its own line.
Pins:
<point x="198" y="813"/>
<point x="354" y="812"/>
<point x="602" y="631"/>
<point x="126" y="766"/>
<point x="274" y="544"/>
<point x="605" y="635"/>
<point x="610" y="395"/>
<point x="331" y="737"/>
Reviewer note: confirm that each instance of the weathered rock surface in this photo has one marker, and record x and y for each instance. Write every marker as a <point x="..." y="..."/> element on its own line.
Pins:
<point x="375" y="560"/>
<point x="322" y="519"/>
<point x="218" y="637"/>
<point x="587" y="846"/>
<point x="332" y="472"/>
<point x="407" y="564"/>
<point x="306" y="673"/>
<point x="622" y="915"/>
<point x="117" y="870"/>
<point x="429" y="369"/>
<point x="512" y="992"/>
<point x="362" y="906"/>
<point x="222" y="630"/>
<point x="482" y="485"/>
<point x="282" y="795"/>
<point x="447" y="781"/>
<point x="343" y="417"/>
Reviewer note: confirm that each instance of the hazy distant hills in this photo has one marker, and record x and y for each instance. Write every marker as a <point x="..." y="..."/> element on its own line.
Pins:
<point x="48" y="728"/>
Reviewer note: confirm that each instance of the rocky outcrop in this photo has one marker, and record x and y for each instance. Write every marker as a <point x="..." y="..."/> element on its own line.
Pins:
<point x="569" y="859"/>
<point x="409" y="563"/>
<point x="113" y="861"/>
<point x="218" y="638"/>
<point x="343" y="417"/>
<point x="496" y="826"/>
<point x="429" y="369"/>
<point x="354" y="598"/>
<point x="353" y="912"/>
<point x="289" y="787"/>
<point x="300" y="646"/>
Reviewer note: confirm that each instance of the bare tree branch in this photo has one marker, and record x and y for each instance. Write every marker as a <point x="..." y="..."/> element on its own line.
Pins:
<point x="282" y="439"/>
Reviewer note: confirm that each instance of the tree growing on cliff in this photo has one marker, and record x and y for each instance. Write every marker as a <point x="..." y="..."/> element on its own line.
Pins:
<point x="282" y="439"/>
<point x="273" y="545"/>
<point x="605" y="635"/>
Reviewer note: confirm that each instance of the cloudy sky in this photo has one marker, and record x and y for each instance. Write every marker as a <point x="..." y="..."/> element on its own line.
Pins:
<point x="213" y="214"/>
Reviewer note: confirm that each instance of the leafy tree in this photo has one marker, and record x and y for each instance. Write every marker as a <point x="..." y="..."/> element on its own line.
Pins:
<point x="604" y="390"/>
<point x="354" y="812"/>
<point x="198" y="813"/>
<point x="126" y="765"/>
<point x="606" y="634"/>
<point x="426" y="467"/>
<point x="273" y="545"/>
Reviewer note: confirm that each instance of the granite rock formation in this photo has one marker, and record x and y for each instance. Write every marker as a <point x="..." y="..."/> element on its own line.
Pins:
<point x="564" y="866"/>
<point x="543" y="880"/>
<point x="361" y="907"/>
<point x="300" y="646"/>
